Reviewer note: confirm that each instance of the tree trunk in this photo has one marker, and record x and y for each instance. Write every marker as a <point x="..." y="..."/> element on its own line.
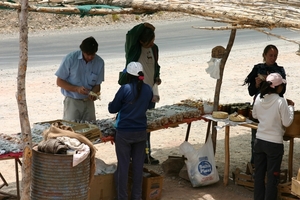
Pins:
<point x="219" y="84"/>
<point x="21" y="99"/>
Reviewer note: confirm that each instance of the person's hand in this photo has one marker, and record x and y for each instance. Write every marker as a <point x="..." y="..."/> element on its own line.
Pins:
<point x="262" y="77"/>
<point x="82" y="90"/>
<point x="109" y="138"/>
<point x="258" y="82"/>
<point x="146" y="24"/>
<point x="155" y="99"/>
<point x="158" y="81"/>
<point x="94" y="96"/>
<point x="290" y="102"/>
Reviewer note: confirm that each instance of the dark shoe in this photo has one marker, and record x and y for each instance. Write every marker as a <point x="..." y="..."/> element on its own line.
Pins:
<point x="151" y="161"/>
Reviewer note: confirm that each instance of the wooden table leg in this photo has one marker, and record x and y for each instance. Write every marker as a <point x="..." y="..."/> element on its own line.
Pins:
<point x="188" y="132"/>
<point x="227" y="156"/>
<point x="214" y="135"/>
<point x="4" y="181"/>
<point x="208" y="130"/>
<point x="291" y="155"/>
<point x="17" y="161"/>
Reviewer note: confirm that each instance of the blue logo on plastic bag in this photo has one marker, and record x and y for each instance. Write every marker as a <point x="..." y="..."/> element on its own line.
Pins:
<point x="204" y="167"/>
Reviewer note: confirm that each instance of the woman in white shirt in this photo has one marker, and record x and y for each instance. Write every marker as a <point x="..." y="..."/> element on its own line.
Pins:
<point x="274" y="113"/>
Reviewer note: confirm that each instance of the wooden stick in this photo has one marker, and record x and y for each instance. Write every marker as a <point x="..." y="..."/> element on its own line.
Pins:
<point x="21" y="100"/>
<point x="225" y="27"/>
<point x="278" y="36"/>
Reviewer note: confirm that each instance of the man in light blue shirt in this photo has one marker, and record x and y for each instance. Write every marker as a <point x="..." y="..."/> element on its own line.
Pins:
<point x="80" y="73"/>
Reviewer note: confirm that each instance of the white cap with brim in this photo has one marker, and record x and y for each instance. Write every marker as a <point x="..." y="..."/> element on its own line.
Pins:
<point x="134" y="68"/>
<point x="276" y="79"/>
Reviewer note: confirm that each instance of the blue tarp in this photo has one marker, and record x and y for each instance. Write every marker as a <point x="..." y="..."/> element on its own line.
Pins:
<point x="85" y="9"/>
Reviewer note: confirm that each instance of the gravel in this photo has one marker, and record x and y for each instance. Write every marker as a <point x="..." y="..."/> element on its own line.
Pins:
<point x="49" y="22"/>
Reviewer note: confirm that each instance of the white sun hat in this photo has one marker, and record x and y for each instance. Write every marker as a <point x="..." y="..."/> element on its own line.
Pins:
<point x="134" y="68"/>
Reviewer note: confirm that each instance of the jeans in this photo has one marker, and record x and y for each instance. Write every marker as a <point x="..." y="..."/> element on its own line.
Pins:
<point x="253" y="137"/>
<point x="267" y="161"/>
<point x="130" y="146"/>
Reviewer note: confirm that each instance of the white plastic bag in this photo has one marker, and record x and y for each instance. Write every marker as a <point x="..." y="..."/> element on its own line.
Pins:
<point x="214" y="67"/>
<point x="200" y="163"/>
<point x="155" y="93"/>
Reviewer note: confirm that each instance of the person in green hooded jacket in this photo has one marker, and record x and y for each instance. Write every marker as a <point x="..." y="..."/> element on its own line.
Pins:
<point x="140" y="47"/>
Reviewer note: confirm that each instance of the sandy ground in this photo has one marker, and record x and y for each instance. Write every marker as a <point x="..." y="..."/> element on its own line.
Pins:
<point x="183" y="75"/>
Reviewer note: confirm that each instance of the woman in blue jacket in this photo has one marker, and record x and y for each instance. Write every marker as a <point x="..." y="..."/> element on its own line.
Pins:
<point x="140" y="47"/>
<point x="131" y="103"/>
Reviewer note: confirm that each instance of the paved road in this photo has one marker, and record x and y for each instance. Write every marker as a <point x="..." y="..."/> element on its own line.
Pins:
<point x="170" y="36"/>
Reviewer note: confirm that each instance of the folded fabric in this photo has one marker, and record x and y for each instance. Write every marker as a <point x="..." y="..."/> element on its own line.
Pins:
<point x="81" y="150"/>
<point x="57" y="130"/>
<point x="72" y="143"/>
<point x="53" y="146"/>
<point x="81" y="154"/>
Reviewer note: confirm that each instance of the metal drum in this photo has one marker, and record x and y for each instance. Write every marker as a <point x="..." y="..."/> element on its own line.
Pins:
<point x="294" y="129"/>
<point x="53" y="177"/>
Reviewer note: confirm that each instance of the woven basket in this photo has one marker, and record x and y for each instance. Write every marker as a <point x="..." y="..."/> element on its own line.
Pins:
<point x="218" y="52"/>
<point x="90" y="131"/>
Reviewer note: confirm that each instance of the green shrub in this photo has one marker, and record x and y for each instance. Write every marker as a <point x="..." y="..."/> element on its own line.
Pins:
<point x="115" y="17"/>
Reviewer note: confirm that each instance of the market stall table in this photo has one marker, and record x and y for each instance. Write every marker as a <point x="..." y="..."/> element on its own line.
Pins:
<point x="167" y="116"/>
<point x="16" y="157"/>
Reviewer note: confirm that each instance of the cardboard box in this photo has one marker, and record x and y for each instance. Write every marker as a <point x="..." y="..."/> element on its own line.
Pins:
<point x="103" y="187"/>
<point x="152" y="185"/>
<point x="295" y="188"/>
<point x="90" y="131"/>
